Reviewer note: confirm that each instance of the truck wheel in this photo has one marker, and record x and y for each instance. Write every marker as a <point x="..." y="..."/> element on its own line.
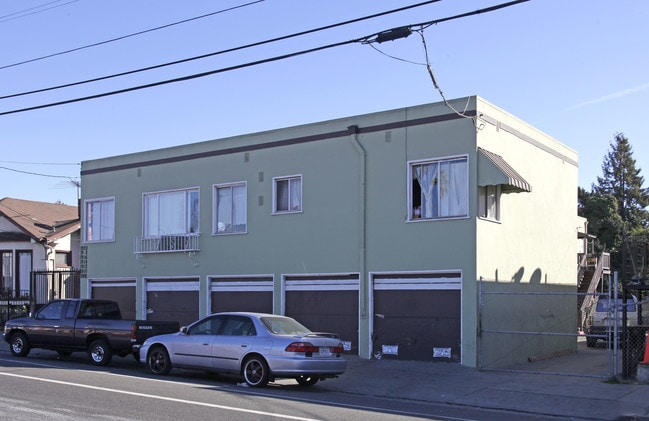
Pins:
<point x="19" y="345"/>
<point x="100" y="352"/>
<point x="158" y="360"/>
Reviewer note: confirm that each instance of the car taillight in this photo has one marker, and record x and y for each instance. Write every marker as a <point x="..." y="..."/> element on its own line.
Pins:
<point x="338" y="349"/>
<point x="306" y="347"/>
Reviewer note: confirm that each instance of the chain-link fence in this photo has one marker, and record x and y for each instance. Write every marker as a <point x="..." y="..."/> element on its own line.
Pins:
<point x="535" y="328"/>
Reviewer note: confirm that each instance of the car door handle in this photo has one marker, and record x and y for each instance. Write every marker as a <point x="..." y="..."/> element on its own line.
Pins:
<point x="243" y="345"/>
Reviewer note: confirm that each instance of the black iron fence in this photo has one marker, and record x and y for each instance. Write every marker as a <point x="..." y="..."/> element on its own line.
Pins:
<point x="44" y="286"/>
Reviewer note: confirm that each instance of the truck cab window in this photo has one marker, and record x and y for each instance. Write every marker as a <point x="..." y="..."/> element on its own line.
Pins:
<point x="52" y="311"/>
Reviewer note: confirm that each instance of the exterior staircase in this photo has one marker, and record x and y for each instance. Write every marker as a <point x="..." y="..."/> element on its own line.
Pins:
<point x="591" y="271"/>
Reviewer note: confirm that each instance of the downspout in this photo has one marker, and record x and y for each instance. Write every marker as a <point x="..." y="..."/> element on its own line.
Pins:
<point x="362" y="233"/>
<point x="48" y="252"/>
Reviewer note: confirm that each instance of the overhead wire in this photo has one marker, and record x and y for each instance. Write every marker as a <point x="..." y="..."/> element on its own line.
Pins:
<point x="35" y="173"/>
<point x="24" y="14"/>
<point x="403" y="32"/>
<point x="229" y="50"/>
<point x="365" y="39"/>
<point x="130" y="35"/>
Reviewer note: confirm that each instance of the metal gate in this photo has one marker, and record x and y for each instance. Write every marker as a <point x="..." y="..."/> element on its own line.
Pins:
<point x="534" y="328"/>
<point x="48" y="285"/>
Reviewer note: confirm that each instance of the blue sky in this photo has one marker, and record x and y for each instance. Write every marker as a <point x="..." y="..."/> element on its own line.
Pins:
<point x="577" y="70"/>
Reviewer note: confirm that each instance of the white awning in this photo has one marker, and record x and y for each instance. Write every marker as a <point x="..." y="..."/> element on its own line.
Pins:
<point x="493" y="170"/>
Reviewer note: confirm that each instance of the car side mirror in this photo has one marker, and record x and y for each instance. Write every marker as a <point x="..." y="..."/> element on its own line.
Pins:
<point x="183" y="330"/>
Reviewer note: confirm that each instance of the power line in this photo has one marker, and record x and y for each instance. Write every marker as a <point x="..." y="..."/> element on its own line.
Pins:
<point x="39" y="163"/>
<point x="376" y="37"/>
<point x="35" y="173"/>
<point x="24" y="14"/>
<point x="130" y="35"/>
<point x="229" y="50"/>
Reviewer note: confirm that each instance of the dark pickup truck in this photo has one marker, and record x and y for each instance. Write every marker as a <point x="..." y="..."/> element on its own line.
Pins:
<point x="72" y="325"/>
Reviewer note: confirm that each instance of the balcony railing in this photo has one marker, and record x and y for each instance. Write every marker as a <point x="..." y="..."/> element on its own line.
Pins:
<point x="166" y="243"/>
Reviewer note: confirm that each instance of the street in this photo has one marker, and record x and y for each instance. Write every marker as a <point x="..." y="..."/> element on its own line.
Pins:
<point x="44" y="386"/>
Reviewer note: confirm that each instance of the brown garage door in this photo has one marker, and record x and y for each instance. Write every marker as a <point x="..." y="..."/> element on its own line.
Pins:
<point x="417" y="316"/>
<point x="121" y="291"/>
<point x="325" y="304"/>
<point x="242" y="294"/>
<point x="175" y="299"/>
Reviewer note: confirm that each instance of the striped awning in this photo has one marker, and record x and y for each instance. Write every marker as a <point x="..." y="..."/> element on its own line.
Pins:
<point x="493" y="170"/>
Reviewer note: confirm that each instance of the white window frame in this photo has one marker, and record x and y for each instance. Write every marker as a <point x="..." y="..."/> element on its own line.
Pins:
<point x="294" y="194"/>
<point x="188" y="219"/>
<point x="456" y="203"/>
<point x="489" y="202"/>
<point x="226" y="227"/>
<point x="106" y="210"/>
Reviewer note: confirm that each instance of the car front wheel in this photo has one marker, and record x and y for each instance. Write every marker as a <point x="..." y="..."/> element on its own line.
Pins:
<point x="158" y="360"/>
<point x="255" y="371"/>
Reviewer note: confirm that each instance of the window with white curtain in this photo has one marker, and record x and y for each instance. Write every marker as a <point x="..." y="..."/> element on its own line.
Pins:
<point x="489" y="202"/>
<point x="173" y="212"/>
<point x="439" y="188"/>
<point x="287" y="194"/>
<point x="99" y="222"/>
<point x="230" y="208"/>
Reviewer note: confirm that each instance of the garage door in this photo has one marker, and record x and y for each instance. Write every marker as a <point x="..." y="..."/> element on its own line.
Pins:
<point x="122" y="291"/>
<point x="417" y="316"/>
<point x="249" y="293"/>
<point x="325" y="304"/>
<point x="173" y="300"/>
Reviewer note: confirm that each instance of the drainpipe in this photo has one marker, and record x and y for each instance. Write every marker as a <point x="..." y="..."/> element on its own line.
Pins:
<point x="364" y="287"/>
<point x="48" y="252"/>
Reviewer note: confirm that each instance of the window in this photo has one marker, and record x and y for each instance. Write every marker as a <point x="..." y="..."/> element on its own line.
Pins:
<point x="208" y="326"/>
<point x="489" y="202"/>
<point x="439" y="189"/>
<point x="287" y="194"/>
<point x="63" y="259"/>
<point x="52" y="311"/>
<point x="238" y="326"/>
<point x="100" y="220"/>
<point x="230" y="208"/>
<point x="174" y="212"/>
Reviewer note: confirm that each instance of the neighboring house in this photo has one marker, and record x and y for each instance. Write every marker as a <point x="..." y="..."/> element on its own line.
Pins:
<point x="378" y="227"/>
<point x="36" y="236"/>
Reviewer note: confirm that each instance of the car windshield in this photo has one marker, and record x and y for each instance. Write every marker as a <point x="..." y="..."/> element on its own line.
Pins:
<point x="284" y="326"/>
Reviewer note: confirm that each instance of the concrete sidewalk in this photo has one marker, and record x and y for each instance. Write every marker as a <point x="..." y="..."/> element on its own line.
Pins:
<point x="551" y="395"/>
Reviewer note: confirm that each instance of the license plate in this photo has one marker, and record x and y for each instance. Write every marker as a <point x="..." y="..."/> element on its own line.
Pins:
<point x="325" y="351"/>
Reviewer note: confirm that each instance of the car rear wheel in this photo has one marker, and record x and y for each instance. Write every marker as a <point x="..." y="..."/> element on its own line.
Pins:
<point x="19" y="345"/>
<point x="255" y="371"/>
<point x="307" y="380"/>
<point x="100" y="352"/>
<point x="158" y="360"/>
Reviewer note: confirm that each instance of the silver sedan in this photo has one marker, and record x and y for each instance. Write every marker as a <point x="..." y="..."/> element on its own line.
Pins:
<point x="256" y="346"/>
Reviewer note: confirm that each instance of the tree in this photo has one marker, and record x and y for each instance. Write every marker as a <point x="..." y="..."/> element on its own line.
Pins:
<point x="603" y="220"/>
<point x="622" y="181"/>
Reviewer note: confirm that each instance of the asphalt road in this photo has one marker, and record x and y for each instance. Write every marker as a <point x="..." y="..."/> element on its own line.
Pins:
<point x="44" y="386"/>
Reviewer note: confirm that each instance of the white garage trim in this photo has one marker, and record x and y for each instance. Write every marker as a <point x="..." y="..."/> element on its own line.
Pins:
<point x="442" y="280"/>
<point x="113" y="282"/>
<point x="241" y="283"/>
<point x="172" y="285"/>
<point x="321" y="282"/>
